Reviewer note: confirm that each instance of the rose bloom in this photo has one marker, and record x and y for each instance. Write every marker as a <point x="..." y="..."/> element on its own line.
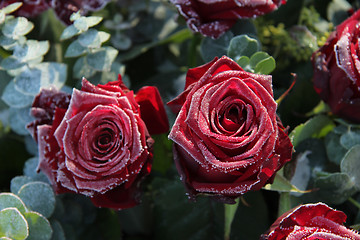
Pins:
<point x="227" y="137"/>
<point x="337" y="70"/>
<point x="212" y="18"/>
<point x="62" y="8"/>
<point x="311" y="221"/>
<point x="97" y="143"/>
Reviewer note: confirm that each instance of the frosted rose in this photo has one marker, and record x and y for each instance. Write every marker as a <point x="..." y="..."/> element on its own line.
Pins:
<point x="227" y="137"/>
<point x="337" y="70"/>
<point x="214" y="17"/>
<point x="311" y="221"/>
<point x="97" y="144"/>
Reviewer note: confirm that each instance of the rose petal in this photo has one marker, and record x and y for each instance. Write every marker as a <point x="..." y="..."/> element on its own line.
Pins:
<point x="152" y="110"/>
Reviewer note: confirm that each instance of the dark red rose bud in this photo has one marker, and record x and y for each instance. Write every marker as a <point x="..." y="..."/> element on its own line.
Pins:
<point x="213" y="18"/>
<point x="337" y="70"/>
<point x="96" y="144"/>
<point x="228" y="138"/>
<point x="152" y="110"/>
<point x="311" y="221"/>
<point x="44" y="107"/>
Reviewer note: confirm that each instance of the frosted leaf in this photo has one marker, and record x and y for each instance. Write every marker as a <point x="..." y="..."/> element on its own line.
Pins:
<point x="14" y="98"/>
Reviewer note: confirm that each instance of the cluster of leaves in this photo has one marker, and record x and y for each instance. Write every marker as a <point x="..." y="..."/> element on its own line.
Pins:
<point x="23" y="69"/>
<point x="32" y="211"/>
<point x="25" y="211"/>
<point x="92" y="57"/>
<point x="327" y="159"/>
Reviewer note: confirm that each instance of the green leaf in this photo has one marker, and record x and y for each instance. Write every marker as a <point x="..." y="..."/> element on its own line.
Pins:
<point x="334" y="188"/>
<point x="258" y="57"/>
<point x="262" y="63"/>
<point x="121" y="41"/>
<point x="335" y="151"/>
<point x="75" y="49"/>
<point x="350" y="138"/>
<point x="211" y="48"/>
<point x="11" y="200"/>
<point x="38" y="197"/>
<point x="53" y="74"/>
<point x="74" y="16"/>
<point x="92" y="38"/>
<point x="11" y="62"/>
<point x="316" y="127"/>
<point x="32" y="49"/>
<point x="16" y="27"/>
<point x="281" y="184"/>
<point x="12" y="224"/>
<point x="28" y="81"/>
<point x="69" y="32"/>
<point x="17" y="182"/>
<point x="7" y="43"/>
<point x="92" y="21"/>
<point x="104" y="36"/>
<point x="244" y="62"/>
<point x="309" y="158"/>
<point x="39" y="226"/>
<point x="81" y="24"/>
<point x="102" y="59"/>
<point x="19" y="118"/>
<point x="12" y="97"/>
<point x="322" y="107"/>
<point x="12" y="7"/>
<point x="242" y="45"/>
<point x="82" y="69"/>
<point x="30" y="170"/>
<point x="350" y="164"/>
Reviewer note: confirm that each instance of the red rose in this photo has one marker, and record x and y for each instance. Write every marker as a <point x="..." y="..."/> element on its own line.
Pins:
<point x="311" y="221"/>
<point x="337" y="70"/>
<point x="62" y="8"/>
<point x="228" y="139"/>
<point x="97" y="144"/>
<point x="214" y="17"/>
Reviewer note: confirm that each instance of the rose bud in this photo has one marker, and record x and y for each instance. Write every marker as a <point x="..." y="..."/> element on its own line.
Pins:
<point x="227" y="137"/>
<point x="311" y="221"/>
<point x="62" y="8"/>
<point x="213" y="18"/>
<point x="97" y="144"/>
<point x="337" y="70"/>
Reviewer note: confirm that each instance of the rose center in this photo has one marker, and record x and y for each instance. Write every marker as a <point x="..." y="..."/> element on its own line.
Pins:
<point x="233" y="117"/>
<point x="106" y="140"/>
